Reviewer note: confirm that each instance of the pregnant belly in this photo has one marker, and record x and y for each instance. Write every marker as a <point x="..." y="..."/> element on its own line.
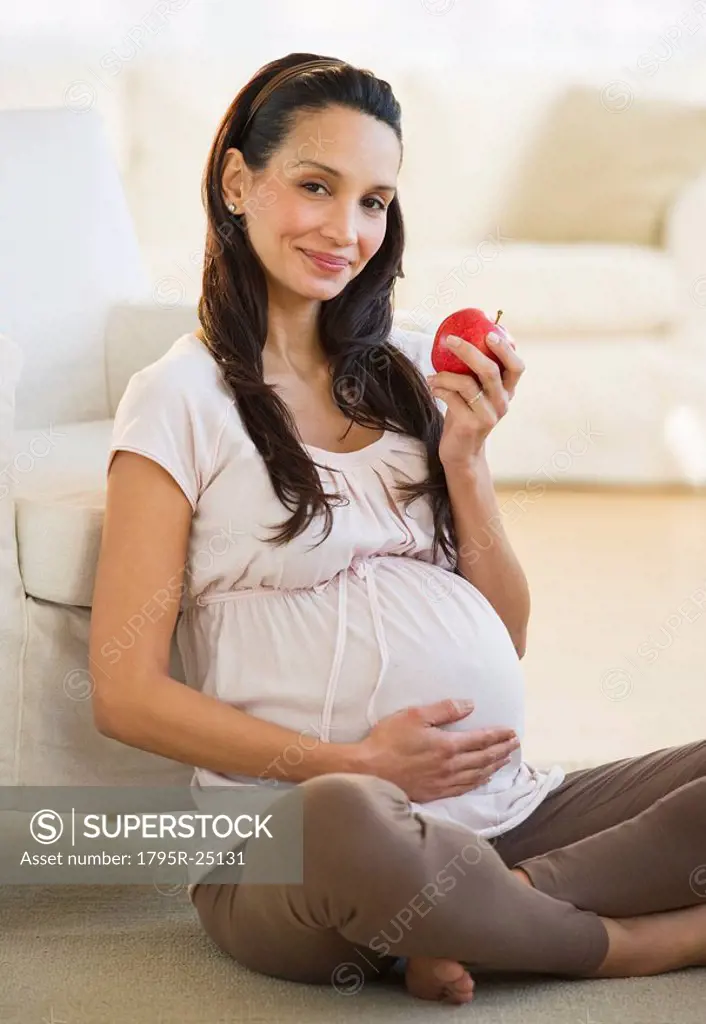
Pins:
<point x="447" y="641"/>
<point x="443" y="640"/>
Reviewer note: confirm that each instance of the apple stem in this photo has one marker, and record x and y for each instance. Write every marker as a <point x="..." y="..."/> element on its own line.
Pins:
<point x="497" y="318"/>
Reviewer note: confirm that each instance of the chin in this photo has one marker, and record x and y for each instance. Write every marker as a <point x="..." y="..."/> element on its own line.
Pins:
<point x="313" y="293"/>
<point x="321" y="291"/>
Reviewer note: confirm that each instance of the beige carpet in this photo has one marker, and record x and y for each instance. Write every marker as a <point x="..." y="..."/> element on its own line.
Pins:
<point x="130" y="955"/>
<point x="616" y="644"/>
<point x="611" y="575"/>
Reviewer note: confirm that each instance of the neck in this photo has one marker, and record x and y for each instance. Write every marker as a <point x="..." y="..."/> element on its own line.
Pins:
<point x="293" y="341"/>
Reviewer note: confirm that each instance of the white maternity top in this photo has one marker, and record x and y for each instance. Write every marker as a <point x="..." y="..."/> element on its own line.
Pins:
<point x="328" y="640"/>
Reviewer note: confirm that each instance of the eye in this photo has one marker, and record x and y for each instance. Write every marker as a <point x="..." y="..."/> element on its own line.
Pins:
<point x="317" y="184"/>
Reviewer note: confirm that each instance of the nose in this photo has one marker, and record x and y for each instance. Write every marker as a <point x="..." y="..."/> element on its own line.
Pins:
<point x="341" y="225"/>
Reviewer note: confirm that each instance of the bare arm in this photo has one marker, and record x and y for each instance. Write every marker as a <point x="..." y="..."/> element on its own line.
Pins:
<point x="493" y="568"/>
<point x="143" y="553"/>
<point x="166" y="717"/>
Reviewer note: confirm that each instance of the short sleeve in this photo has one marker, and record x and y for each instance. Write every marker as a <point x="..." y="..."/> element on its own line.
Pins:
<point x="168" y="419"/>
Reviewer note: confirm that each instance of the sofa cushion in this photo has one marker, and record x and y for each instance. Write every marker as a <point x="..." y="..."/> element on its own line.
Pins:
<point x="606" y="168"/>
<point x="545" y="290"/>
<point x="60" y="499"/>
<point x="59" y="541"/>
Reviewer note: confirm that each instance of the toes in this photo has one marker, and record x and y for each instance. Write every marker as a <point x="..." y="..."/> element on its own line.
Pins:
<point x="445" y="981"/>
<point x="453" y="975"/>
<point x="457" y="983"/>
<point x="463" y="986"/>
<point x="448" y="971"/>
<point x="456" y="994"/>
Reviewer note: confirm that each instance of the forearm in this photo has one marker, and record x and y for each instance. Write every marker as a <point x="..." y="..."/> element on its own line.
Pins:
<point x="486" y="558"/>
<point x="169" y="718"/>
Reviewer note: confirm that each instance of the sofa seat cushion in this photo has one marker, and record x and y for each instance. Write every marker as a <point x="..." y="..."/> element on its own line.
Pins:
<point x="545" y="290"/>
<point x="59" y="484"/>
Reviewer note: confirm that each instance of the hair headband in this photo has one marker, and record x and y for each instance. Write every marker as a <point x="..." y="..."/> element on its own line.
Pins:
<point x="286" y="76"/>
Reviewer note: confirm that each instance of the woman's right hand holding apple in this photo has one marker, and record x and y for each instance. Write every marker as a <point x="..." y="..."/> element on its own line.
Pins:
<point x="429" y="763"/>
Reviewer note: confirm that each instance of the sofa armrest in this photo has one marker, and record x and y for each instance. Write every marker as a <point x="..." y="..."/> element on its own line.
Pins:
<point x="136" y="335"/>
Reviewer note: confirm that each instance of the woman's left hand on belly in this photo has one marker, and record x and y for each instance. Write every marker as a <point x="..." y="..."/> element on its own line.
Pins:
<point x="467" y="426"/>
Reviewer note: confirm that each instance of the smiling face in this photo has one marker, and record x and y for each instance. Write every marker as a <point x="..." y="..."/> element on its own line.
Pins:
<point x="325" y="191"/>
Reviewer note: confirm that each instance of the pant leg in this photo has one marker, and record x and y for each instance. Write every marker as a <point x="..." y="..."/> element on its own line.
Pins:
<point x="653" y="862"/>
<point x="380" y="882"/>
<point x="593" y="799"/>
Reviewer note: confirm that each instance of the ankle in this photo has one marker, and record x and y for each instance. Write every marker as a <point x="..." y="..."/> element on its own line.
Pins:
<point x="654" y="943"/>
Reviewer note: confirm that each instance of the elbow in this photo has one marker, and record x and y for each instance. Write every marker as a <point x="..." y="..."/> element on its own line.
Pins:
<point x="104" y="720"/>
<point x="117" y="700"/>
<point x="109" y="716"/>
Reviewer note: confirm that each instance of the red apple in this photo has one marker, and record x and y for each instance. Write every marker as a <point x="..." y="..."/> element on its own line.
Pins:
<point x="472" y="325"/>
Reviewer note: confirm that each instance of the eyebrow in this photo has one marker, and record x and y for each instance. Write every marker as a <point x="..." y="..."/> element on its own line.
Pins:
<point x="337" y="174"/>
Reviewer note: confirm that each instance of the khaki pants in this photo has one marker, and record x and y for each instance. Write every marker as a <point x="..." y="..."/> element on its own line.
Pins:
<point x="624" y="839"/>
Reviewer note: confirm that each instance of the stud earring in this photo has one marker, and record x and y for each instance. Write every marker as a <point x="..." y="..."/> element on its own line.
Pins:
<point x="231" y="207"/>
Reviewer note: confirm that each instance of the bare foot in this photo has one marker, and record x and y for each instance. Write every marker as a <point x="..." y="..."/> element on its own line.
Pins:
<point x="443" y="981"/>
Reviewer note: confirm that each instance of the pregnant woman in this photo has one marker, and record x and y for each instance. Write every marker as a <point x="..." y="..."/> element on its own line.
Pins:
<point x="362" y="652"/>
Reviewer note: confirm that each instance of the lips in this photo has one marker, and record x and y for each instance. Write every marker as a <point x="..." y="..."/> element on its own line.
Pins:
<point x="326" y="259"/>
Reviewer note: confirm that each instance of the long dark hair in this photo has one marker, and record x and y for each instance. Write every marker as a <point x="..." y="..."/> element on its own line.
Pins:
<point x="375" y="383"/>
